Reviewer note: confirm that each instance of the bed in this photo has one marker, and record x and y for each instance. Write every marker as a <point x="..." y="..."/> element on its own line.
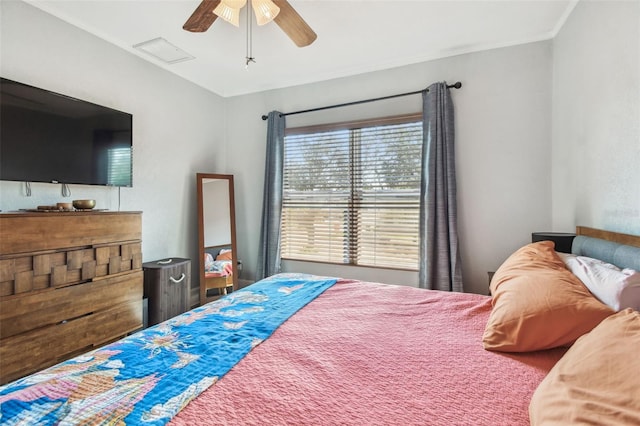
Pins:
<point x="300" y="349"/>
<point x="218" y="272"/>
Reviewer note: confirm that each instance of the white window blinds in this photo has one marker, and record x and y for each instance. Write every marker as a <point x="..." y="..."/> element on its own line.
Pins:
<point x="352" y="193"/>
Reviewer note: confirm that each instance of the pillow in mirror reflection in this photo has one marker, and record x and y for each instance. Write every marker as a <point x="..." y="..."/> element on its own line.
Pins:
<point x="208" y="262"/>
<point x="224" y="254"/>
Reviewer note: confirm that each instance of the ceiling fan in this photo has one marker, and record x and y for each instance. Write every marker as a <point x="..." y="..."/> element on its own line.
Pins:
<point x="279" y="11"/>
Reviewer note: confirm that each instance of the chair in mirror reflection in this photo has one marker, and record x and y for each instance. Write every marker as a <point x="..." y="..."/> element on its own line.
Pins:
<point x="217" y="236"/>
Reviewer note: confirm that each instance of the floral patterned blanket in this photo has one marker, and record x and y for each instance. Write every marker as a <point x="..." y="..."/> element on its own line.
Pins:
<point x="148" y="377"/>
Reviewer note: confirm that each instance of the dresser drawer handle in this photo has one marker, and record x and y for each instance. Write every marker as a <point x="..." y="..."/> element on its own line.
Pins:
<point x="164" y="262"/>
<point x="179" y="279"/>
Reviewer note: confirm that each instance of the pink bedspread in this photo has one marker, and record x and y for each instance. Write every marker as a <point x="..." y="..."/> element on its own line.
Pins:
<point x="373" y="354"/>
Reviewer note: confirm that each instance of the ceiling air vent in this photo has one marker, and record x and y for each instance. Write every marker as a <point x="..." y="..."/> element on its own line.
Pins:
<point x="161" y="49"/>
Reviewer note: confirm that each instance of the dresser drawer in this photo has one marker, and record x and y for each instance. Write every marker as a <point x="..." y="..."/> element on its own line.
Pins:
<point x="53" y="306"/>
<point x="43" y="347"/>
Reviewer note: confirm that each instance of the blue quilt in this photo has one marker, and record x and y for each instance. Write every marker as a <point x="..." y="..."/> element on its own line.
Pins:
<point x="148" y="377"/>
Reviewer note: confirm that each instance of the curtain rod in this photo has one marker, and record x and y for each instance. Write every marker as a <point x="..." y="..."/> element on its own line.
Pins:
<point x="456" y="85"/>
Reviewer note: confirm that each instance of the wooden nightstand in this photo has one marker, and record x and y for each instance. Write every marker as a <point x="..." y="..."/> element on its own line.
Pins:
<point x="561" y="240"/>
<point x="490" y="275"/>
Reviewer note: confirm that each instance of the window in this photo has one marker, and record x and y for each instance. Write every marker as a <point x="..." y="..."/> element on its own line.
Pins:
<point x="351" y="193"/>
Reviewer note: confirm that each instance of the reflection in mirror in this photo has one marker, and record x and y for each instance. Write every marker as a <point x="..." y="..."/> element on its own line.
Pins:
<point x="217" y="236"/>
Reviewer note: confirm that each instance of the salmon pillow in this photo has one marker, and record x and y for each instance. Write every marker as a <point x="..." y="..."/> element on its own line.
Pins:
<point x="225" y="254"/>
<point x="596" y="382"/>
<point x="538" y="303"/>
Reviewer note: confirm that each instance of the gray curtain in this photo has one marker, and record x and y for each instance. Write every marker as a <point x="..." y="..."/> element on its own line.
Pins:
<point x="439" y="255"/>
<point x="269" y="249"/>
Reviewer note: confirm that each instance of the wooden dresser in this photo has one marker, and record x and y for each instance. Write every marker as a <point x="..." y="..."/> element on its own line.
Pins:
<point x="69" y="282"/>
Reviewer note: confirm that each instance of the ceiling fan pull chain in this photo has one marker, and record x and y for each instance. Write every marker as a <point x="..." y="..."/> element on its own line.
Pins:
<point x="249" y="57"/>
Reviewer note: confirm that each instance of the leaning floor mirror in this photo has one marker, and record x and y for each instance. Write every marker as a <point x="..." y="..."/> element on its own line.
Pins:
<point x="217" y="236"/>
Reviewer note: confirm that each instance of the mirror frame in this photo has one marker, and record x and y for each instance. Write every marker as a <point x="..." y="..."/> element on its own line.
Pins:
<point x="200" y="179"/>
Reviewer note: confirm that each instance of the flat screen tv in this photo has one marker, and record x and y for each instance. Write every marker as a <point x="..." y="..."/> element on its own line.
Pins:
<point x="50" y="137"/>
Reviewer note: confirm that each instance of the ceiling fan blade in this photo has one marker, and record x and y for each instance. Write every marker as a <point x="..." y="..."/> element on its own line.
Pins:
<point x="293" y="25"/>
<point x="202" y="18"/>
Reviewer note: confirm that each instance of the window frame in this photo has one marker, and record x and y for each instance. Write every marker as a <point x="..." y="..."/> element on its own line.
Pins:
<point x="352" y="125"/>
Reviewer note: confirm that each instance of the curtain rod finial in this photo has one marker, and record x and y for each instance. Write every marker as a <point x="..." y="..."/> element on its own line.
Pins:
<point x="264" y="117"/>
<point x="457" y="85"/>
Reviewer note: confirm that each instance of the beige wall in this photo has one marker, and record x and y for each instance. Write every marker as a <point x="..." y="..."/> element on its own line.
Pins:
<point x="596" y="118"/>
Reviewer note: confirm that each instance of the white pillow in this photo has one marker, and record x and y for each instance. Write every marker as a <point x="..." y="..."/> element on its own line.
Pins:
<point x="615" y="287"/>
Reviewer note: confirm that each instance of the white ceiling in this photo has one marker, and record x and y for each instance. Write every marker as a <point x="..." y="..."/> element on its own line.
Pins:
<point x="353" y="36"/>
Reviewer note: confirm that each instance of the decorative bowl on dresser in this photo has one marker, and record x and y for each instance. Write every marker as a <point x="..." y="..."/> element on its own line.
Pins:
<point x="84" y="204"/>
<point x="69" y="282"/>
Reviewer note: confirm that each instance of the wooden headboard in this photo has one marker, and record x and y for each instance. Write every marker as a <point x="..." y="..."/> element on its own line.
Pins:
<point x="616" y="237"/>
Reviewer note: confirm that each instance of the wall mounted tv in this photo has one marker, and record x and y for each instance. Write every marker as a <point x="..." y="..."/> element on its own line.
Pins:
<point x="50" y="137"/>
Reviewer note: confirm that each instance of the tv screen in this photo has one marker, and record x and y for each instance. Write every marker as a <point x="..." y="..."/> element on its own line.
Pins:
<point x="50" y="137"/>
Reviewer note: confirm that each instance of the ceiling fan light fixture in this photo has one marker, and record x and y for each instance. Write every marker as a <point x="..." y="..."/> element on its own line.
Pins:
<point x="265" y="10"/>
<point x="280" y="11"/>
<point x="229" y="10"/>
